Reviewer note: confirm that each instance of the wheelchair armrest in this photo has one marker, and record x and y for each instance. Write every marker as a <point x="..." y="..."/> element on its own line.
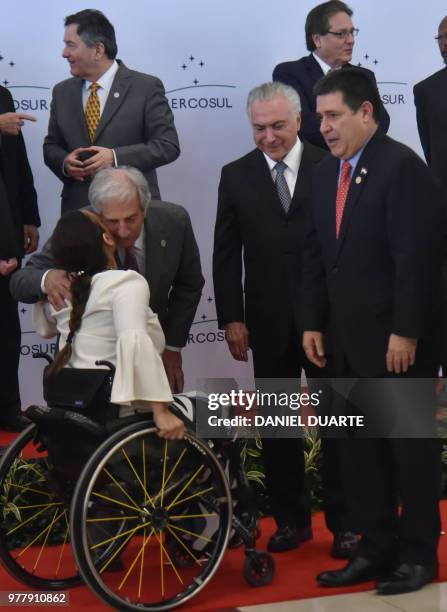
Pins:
<point x="49" y="414"/>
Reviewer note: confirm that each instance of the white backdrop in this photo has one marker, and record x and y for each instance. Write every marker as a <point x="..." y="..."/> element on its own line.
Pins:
<point x="208" y="54"/>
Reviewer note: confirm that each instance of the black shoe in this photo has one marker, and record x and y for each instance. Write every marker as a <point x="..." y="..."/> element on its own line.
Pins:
<point x="287" y="538"/>
<point x="344" y="545"/>
<point x="406" y="578"/>
<point x="15" y="423"/>
<point x="356" y="571"/>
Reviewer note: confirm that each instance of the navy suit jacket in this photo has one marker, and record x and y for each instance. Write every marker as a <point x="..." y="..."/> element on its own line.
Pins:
<point x="382" y="274"/>
<point x="302" y="75"/>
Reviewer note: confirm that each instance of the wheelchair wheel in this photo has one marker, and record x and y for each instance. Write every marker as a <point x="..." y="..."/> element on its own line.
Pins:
<point x="172" y="495"/>
<point x="34" y="528"/>
<point x="259" y="569"/>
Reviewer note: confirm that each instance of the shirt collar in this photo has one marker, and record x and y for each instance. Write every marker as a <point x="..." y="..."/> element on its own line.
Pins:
<point x="354" y="160"/>
<point x="324" y="67"/>
<point x="106" y="80"/>
<point x="139" y="242"/>
<point x="292" y="159"/>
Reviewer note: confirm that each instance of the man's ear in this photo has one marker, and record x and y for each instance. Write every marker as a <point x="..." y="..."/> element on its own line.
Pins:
<point x="100" y="50"/>
<point x="367" y="110"/>
<point x="316" y="40"/>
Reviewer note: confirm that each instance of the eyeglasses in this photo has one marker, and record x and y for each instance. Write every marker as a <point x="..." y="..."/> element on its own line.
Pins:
<point x="441" y="37"/>
<point x="344" y="34"/>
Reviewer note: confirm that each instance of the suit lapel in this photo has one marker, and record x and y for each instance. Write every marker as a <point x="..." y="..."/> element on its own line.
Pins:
<point x="155" y="244"/>
<point x="358" y="182"/>
<point x="263" y="182"/>
<point x="301" y="192"/>
<point x="314" y="68"/>
<point x="116" y="97"/>
<point x="75" y="107"/>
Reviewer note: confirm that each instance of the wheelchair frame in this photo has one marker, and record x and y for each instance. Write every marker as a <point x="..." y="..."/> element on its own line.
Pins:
<point x="122" y="509"/>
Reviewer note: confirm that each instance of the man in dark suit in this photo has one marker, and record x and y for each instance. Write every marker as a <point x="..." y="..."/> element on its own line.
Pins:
<point x="330" y="37"/>
<point x="371" y="267"/>
<point x="255" y="218"/>
<point x="430" y="98"/>
<point x="106" y="115"/>
<point x="156" y="238"/>
<point x="19" y="220"/>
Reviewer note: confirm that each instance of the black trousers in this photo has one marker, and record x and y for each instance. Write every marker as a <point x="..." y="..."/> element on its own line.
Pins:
<point x="10" y="353"/>
<point x="393" y="484"/>
<point x="284" y="457"/>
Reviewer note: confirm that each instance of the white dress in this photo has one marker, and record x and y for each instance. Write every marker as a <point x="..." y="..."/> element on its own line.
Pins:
<point x="117" y="326"/>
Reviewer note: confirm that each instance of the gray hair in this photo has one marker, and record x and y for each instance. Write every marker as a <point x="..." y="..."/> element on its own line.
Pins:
<point x="272" y="89"/>
<point x="119" y="184"/>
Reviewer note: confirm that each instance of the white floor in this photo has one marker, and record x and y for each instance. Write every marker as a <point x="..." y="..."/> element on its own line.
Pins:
<point x="432" y="598"/>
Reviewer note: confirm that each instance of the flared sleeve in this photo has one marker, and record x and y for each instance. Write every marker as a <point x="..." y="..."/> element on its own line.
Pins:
<point x="43" y="321"/>
<point x="140" y="375"/>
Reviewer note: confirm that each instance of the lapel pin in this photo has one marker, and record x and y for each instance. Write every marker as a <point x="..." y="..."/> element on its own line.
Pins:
<point x="363" y="172"/>
<point x="116" y="94"/>
<point x="163" y="243"/>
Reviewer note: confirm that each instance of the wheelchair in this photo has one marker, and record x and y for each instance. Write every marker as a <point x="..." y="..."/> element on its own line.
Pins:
<point x="143" y="521"/>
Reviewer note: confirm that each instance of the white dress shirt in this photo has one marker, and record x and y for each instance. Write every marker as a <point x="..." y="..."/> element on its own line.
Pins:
<point x="292" y="161"/>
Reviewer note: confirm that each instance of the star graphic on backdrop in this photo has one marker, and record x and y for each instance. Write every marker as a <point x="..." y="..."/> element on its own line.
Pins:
<point x="201" y="63"/>
<point x="195" y="81"/>
<point x="5" y="82"/>
<point x="366" y="56"/>
<point x="203" y="317"/>
<point x="359" y="65"/>
<point x="23" y="310"/>
<point x="210" y="299"/>
<point x="1" y="57"/>
<point x="184" y="66"/>
<point x="375" y="62"/>
<point x="11" y="64"/>
<point x="191" y="58"/>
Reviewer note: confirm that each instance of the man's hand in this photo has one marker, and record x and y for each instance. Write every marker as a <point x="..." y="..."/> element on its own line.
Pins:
<point x="236" y="335"/>
<point x="12" y="123"/>
<point x="73" y="166"/>
<point x="314" y="348"/>
<point x="103" y="158"/>
<point x="401" y="354"/>
<point x="7" y="266"/>
<point x="57" y="286"/>
<point x="31" y="234"/>
<point x="172" y="360"/>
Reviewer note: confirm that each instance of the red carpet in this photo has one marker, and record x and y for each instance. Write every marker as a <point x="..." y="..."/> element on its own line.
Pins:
<point x="294" y="578"/>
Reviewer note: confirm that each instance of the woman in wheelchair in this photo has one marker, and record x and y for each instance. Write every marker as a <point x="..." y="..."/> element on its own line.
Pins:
<point x="108" y="318"/>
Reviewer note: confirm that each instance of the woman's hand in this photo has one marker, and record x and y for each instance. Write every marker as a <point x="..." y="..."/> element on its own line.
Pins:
<point x="169" y="426"/>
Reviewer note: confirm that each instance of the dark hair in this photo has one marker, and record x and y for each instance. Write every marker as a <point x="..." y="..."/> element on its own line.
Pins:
<point x="94" y="27"/>
<point x="355" y="85"/>
<point x="77" y="246"/>
<point x="317" y="21"/>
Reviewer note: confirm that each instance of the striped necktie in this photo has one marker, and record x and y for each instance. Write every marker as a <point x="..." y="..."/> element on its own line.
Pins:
<point x="281" y="186"/>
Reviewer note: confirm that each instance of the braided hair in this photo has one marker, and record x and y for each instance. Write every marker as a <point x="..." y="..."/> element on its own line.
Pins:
<point x="77" y="247"/>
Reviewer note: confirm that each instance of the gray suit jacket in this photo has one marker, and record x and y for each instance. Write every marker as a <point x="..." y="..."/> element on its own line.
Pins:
<point x="172" y="270"/>
<point x="136" y="122"/>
